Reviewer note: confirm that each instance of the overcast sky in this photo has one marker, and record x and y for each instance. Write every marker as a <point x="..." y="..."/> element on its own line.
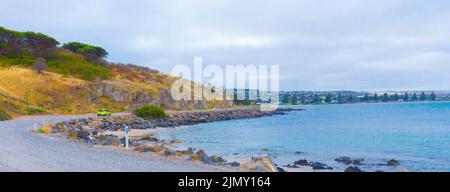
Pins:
<point x="319" y="45"/>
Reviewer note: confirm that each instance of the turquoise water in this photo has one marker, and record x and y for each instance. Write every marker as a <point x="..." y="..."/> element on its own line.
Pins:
<point x="418" y="135"/>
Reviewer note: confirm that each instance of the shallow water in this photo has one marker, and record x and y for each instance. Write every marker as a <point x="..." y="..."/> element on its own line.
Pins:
<point x="417" y="134"/>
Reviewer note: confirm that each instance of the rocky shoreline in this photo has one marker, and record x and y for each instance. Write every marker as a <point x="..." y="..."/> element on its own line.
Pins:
<point x="109" y="131"/>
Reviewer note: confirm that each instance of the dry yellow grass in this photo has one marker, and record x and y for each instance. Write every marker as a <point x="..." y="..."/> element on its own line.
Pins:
<point x="49" y="91"/>
<point x="25" y="92"/>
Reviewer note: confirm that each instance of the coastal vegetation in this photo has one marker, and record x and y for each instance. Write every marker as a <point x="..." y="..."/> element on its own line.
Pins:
<point x="24" y="49"/>
<point x="3" y="115"/>
<point x="91" y="53"/>
<point x="149" y="112"/>
<point x="343" y="97"/>
<point x="41" y="77"/>
<point x="105" y="131"/>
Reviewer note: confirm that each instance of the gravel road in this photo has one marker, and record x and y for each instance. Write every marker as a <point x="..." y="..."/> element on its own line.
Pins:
<point x="23" y="150"/>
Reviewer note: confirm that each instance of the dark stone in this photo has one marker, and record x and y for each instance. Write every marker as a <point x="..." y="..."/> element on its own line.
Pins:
<point x="201" y="156"/>
<point x="393" y="162"/>
<point x="357" y="161"/>
<point x="234" y="164"/>
<point x="281" y="169"/>
<point x="301" y="162"/>
<point x="84" y="136"/>
<point x="151" y="139"/>
<point x="299" y="153"/>
<point x="352" y="169"/>
<point x="217" y="159"/>
<point x="344" y="160"/>
<point x="291" y="166"/>
<point x="112" y="140"/>
<point x="169" y="152"/>
<point x="123" y="141"/>
<point x="148" y="149"/>
<point x="320" y="166"/>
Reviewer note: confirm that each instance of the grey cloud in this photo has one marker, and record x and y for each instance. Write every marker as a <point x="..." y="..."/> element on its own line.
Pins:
<point x="320" y="45"/>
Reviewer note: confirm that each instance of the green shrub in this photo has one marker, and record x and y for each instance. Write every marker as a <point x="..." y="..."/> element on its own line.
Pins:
<point x="149" y="112"/>
<point x="4" y="116"/>
<point x="32" y="111"/>
<point x="67" y="63"/>
<point x="24" y="61"/>
<point x="40" y="131"/>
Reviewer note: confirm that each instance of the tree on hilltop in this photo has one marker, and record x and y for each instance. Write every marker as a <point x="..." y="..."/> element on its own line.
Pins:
<point x="91" y="53"/>
<point x="14" y="43"/>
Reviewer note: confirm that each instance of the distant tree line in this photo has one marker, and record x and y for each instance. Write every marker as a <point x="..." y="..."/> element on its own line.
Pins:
<point x="289" y="98"/>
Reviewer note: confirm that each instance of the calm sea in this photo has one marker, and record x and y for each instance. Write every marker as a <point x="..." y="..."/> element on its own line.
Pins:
<point x="418" y="135"/>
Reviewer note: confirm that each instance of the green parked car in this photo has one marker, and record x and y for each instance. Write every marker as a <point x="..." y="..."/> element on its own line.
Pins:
<point x="103" y="112"/>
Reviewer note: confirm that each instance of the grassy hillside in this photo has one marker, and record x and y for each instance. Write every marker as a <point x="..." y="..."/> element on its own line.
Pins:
<point x="23" y="48"/>
<point x="47" y="93"/>
<point x="76" y="79"/>
<point x="61" y="62"/>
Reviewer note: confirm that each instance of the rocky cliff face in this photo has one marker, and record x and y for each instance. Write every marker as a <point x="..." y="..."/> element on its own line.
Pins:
<point x="134" y="96"/>
<point x="25" y="92"/>
<point x="131" y="95"/>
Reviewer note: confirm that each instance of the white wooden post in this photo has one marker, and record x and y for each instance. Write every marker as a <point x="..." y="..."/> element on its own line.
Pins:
<point x="126" y="137"/>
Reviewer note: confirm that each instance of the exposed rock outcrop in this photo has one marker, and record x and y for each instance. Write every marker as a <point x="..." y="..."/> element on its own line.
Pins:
<point x="393" y="162"/>
<point x="108" y="130"/>
<point x="260" y="164"/>
<point x="348" y="161"/>
<point x="353" y="169"/>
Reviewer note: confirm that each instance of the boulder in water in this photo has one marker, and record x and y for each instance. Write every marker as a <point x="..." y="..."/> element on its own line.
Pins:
<point x="344" y="160"/>
<point x="217" y="160"/>
<point x="301" y="162"/>
<point x="353" y="169"/>
<point x="234" y="164"/>
<point x="320" y="166"/>
<point x="357" y="161"/>
<point x="393" y="162"/>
